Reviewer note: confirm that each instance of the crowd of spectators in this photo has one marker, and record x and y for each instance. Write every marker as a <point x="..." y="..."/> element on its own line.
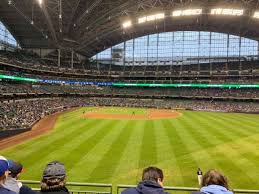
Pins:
<point x="49" y="63"/>
<point x="128" y="77"/>
<point x="22" y="58"/>
<point x="197" y="105"/>
<point x="189" y="92"/>
<point x="33" y="61"/>
<point x="23" y="113"/>
<point x="16" y="88"/>
<point x="7" y="88"/>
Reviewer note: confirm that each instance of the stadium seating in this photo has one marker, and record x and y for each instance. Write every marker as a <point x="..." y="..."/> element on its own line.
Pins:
<point x="18" y="88"/>
<point x="28" y="60"/>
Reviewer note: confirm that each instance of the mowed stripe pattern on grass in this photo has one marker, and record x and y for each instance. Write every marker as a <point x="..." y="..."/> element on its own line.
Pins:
<point x="116" y="151"/>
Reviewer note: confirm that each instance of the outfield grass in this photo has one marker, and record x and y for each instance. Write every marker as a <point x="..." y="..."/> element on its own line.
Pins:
<point x="122" y="111"/>
<point x="113" y="151"/>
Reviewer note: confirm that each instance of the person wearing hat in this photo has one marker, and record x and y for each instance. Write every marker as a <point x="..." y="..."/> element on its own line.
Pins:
<point x="54" y="179"/>
<point x="12" y="183"/>
<point x="4" y="165"/>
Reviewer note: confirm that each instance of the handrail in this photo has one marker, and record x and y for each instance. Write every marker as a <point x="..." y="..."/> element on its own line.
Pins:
<point x="245" y="191"/>
<point x="122" y="186"/>
<point x="80" y="191"/>
<point x="167" y="188"/>
<point x="99" y="192"/>
<point x="108" y="187"/>
<point x="72" y="183"/>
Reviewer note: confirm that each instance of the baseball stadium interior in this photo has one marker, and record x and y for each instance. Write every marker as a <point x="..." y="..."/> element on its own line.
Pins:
<point x="183" y="55"/>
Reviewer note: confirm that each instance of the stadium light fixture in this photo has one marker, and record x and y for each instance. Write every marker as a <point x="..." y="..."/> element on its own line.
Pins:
<point x="127" y="24"/>
<point x="151" y="18"/>
<point x="40" y="2"/>
<point x="187" y="12"/>
<point x="177" y="13"/>
<point x="256" y="15"/>
<point x="233" y="12"/>
<point x="142" y="20"/>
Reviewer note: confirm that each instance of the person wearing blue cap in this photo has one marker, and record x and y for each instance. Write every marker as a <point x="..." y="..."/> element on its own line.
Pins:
<point x="12" y="183"/>
<point x="4" y="165"/>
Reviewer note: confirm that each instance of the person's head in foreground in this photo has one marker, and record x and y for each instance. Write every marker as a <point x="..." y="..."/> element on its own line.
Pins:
<point x="11" y="182"/>
<point x="153" y="174"/>
<point x="4" y="165"/>
<point x="213" y="182"/>
<point x="152" y="182"/>
<point x="15" y="169"/>
<point x="54" y="178"/>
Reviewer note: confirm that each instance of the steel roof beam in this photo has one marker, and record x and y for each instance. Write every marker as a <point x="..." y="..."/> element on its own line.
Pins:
<point x="49" y="23"/>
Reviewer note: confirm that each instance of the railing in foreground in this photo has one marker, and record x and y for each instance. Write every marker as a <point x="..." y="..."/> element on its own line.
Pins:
<point x="119" y="188"/>
<point x="78" y="188"/>
<point x="99" y="188"/>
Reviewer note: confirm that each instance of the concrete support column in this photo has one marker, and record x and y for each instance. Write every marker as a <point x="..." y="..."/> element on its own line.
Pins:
<point x="59" y="53"/>
<point x="72" y="59"/>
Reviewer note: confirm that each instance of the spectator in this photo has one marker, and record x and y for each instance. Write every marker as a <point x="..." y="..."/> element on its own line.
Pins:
<point x="54" y="179"/>
<point x="152" y="183"/>
<point x="213" y="182"/>
<point x="12" y="183"/>
<point x="4" y="164"/>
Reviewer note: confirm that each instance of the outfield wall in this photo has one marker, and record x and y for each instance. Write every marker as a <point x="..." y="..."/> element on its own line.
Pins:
<point x="9" y="133"/>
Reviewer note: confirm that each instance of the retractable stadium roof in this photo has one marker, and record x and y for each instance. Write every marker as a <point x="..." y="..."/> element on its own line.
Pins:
<point x="90" y="26"/>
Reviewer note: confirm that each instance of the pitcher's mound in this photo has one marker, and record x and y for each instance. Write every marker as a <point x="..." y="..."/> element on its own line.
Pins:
<point x="152" y="114"/>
